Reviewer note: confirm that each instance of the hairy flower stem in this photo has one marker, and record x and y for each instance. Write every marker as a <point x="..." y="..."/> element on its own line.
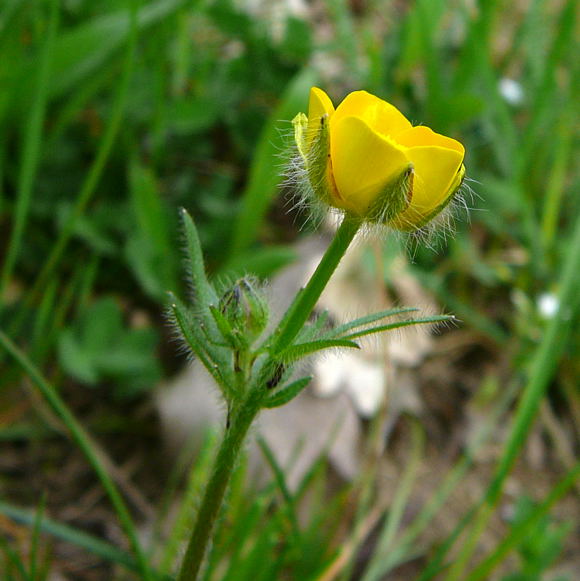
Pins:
<point x="307" y="298"/>
<point x="244" y="411"/>
<point x="239" y="424"/>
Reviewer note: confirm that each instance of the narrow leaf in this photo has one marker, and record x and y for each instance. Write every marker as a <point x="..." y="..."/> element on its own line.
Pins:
<point x="210" y="355"/>
<point x="85" y="442"/>
<point x="204" y="292"/>
<point x="36" y="528"/>
<point x="11" y="556"/>
<point x="314" y="329"/>
<point x="281" y="481"/>
<point x="287" y="393"/>
<point x="399" y="324"/>
<point x="302" y="349"/>
<point x="32" y="149"/>
<point x="225" y="328"/>
<point x="368" y="319"/>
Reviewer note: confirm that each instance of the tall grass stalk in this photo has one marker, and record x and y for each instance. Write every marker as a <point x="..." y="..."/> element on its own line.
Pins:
<point x="543" y="365"/>
<point x="400" y="499"/>
<point x="31" y="151"/>
<point x="89" y="448"/>
<point x="520" y="532"/>
<point x="105" y="147"/>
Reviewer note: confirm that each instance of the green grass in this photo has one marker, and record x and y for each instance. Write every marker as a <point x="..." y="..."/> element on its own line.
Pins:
<point x="115" y="114"/>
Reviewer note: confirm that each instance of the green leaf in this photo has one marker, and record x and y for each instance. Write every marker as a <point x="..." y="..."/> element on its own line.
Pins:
<point x="314" y="329"/>
<point x="100" y="324"/>
<point x="524" y="529"/>
<point x="297" y="41"/>
<point x="39" y="77"/>
<point x="10" y="555"/>
<point x="280" y="476"/>
<point x="98" y="346"/>
<point x="34" y="557"/>
<point x="204" y="293"/>
<point x="287" y="393"/>
<point x="368" y="319"/>
<point x="85" y="443"/>
<point x="215" y="359"/>
<point x="399" y="324"/>
<point x="300" y="350"/>
<point x="192" y="115"/>
<point x="224" y="327"/>
<point x="190" y="330"/>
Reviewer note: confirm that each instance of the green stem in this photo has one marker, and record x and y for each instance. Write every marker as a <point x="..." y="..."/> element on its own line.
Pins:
<point x="307" y="298"/>
<point x="243" y="415"/>
<point x="240" y="422"/>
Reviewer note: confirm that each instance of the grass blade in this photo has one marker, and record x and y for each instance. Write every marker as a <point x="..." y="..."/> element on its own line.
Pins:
<point x="84" y="441"/>
<point x="544" y="363"/>
<point x="264" y="175"/>
<point x="94" y="175"/>
<point x="32" y="148"/>
<point x="400" y="499"/>
<point x="520" y="532"/>
<point x="72" y="535"/>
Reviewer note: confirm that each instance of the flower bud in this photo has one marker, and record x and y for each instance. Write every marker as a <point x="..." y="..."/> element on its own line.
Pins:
<point x="245" y="308"/>
<point x="366" y="159"/>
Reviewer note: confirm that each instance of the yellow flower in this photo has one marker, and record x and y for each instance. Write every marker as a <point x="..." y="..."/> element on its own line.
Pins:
<point x="367" y="159"/>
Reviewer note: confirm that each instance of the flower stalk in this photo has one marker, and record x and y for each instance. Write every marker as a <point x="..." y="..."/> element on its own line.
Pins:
<point x="226" y="460"/>
<point x="305" y="301"/>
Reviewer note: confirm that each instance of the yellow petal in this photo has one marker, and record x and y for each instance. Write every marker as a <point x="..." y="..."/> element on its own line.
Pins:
<point x="378" y="114"/>
<point x="319" y="104"/>
<point x="421" y="136"/>
<point x="435" y="168"/>
<point x="363" y="161"/>
<point x="437" y="161"/>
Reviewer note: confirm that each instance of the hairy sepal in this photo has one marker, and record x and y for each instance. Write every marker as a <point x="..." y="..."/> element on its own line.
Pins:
<point x="393" y="199"/>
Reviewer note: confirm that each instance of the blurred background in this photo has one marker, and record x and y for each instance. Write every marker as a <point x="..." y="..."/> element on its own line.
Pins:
<point x="113" y="115"/>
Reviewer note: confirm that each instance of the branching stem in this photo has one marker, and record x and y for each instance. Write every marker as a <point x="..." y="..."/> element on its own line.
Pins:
<point x="243" y="412"/>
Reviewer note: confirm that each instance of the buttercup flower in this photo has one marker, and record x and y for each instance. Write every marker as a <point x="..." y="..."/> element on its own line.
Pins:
<point x="366" y="159"/>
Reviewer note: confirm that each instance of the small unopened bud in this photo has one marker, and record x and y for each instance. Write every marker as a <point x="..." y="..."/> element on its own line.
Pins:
<point x="245" y="308"/>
